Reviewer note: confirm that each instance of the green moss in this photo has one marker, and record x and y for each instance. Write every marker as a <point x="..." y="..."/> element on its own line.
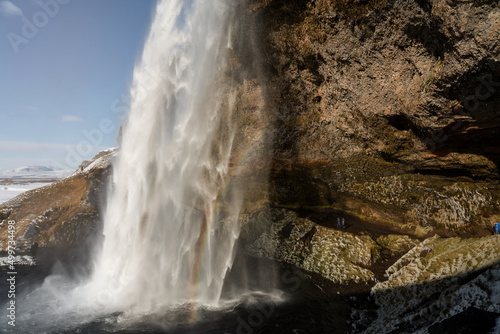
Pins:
<point x="421" y="231"/>
<point x="418" y="231"/>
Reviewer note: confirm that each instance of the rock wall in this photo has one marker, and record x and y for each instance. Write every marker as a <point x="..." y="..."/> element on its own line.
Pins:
<point x="336" y="255"/>
<point x="436" y="280"/>
<point x="385" y="109"/>
<point x="385" y="112"/>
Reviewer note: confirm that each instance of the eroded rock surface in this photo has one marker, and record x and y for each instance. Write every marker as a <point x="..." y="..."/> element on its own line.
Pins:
<point x="437" y="279"/>
<point x="388" y="109"/>
<point x="336" y="255"/>
<point x="63" y="214"/>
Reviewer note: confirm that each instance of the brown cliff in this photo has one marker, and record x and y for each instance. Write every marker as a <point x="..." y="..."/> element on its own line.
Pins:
<point x="385" y="109"/>
<point x="62" y="214"/>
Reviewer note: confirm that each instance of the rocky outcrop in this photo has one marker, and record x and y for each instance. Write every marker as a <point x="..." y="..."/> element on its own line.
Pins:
<point x="386" y="109"/>
<point x="383" y="111"/>
<point x="339" y="256"/>
<point x="437" y="279"/>
<point x="387" y="112"/>
<point x="415" y="283"/>
<point x="63" y="214"/>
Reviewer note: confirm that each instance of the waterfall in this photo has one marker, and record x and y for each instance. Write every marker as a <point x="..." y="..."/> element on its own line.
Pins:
<point x="171" y="217"/>
<point x="163" y="243"/>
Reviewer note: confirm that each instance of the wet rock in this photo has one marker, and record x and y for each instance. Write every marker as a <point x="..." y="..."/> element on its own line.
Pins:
<point x="338" y="256"/>
<point x="396" y="244"/>
<point x="472" y="320"/>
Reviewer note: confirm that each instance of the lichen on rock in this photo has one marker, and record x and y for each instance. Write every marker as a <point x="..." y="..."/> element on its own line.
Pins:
<point x="336" y="255"/>
<point x="437" y="279"/>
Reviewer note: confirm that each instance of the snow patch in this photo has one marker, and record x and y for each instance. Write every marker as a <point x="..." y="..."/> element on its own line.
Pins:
<point x="8" y="192"/>
<point x="20" y="260"/>
<point x="36" y="172"/>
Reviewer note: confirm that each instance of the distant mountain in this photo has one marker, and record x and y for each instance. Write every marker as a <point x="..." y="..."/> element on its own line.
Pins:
<point x="37" y="172"/>
<point x="34" y="169"/>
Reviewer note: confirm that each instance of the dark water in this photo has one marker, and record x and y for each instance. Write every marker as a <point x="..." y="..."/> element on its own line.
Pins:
<point x="305" y="304"/>
<point x="299" y="303"/>
<point x="290" y="301"/>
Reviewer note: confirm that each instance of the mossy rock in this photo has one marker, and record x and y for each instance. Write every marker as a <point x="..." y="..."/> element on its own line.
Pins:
<point x="336" y="255"/>
<point x="396" y="244"/>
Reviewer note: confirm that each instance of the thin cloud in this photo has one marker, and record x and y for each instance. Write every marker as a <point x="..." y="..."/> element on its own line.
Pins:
<point x="71" y="118"/>
<point x="9" y="9"/>
<point x="32" y="108"/>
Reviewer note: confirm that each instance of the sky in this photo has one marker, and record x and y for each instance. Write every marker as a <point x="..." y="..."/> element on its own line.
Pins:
<point x="65" y="71"/>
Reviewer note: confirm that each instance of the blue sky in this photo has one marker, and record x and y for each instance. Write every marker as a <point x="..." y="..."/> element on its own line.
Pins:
<point x="65" y="71"/>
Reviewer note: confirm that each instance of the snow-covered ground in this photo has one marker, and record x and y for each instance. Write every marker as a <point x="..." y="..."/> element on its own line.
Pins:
<point x="10" y="191"/>
<point x="16" y="181"/>
<point x="36" y="172"/>
<point x="23" y="260"/>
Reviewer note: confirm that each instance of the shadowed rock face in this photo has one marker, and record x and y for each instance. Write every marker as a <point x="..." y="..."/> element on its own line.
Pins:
<point x="336" y="255"/>
<point x="382" y="111"/>
<point x="386" y="112"/>
<point x="387" y="109"/>
<point x="63" y="214"/>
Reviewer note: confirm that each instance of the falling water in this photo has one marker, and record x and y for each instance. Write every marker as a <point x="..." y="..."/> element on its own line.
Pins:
<point x="171" y="221"/>
<point x="163" y="241"/>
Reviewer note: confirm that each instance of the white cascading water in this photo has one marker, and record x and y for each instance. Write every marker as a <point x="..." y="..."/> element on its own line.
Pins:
<point x="166" y="245"/>
<point x="163" y="244"/>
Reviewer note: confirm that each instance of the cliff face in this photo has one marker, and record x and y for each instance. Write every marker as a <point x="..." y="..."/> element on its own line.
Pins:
<point x="62" y="214"/>
<point x="385" y="109"/>
<point x="385" y="113"/>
